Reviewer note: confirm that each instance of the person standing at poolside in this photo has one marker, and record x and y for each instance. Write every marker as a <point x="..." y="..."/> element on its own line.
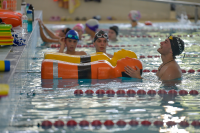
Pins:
<point x="71" y="39"/>
<point x="100" y="42"/>
<point x="91" y="27"/>
<point x="53" y="38"/>
<point x="169" y="69"/>
<point x="113" y="33"/>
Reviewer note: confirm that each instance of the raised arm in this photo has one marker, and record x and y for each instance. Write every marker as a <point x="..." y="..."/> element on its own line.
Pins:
<point x="50" y="33"/>
<point x="62" y="45"/>
<point x="44" y="38"/>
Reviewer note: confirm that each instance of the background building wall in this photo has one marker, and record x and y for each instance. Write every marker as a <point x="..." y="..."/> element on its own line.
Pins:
<point x="115" y="8"/>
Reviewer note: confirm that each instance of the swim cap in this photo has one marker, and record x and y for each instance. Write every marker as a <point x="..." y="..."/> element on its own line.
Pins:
<point x="79" y="26"/>
<point x="100" y="34"/>
<point x="177" y="45"/>
<point x="92" y="24"/>
<point x="134" y="15"/>
<point x="72" y="34"/>
<point x="115" y="28"/>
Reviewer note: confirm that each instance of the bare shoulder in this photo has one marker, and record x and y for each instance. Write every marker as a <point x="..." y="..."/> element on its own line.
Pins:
<point x="172" y="72"/>
<point x="81" y="53"/>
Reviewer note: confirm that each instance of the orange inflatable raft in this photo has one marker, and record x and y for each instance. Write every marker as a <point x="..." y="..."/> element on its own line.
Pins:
<point x="94" y="70"/>
<point x="10" y="17"/>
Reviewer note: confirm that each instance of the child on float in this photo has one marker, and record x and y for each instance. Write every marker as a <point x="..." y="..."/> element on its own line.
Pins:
<point x="53" y="38"/>
<point x="70" y="41"/>
<point x="101" y="42"/>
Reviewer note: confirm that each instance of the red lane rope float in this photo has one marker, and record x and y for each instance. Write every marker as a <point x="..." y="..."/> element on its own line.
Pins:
<point x="84" y="123"/>
<point x="158" y="123"/>
<point x="154" y="71"/>
<point x="71" y="123"/>
<point x="191" y="71"/>
<point x="151" y="92"/>
<point x="110" y="92"/>
<point x="139" y="92"/>
<point x="121" y="123"/>
<point x="59" y="123"/>
<point x="183" y="92"/>
<point x="109" y="123"/>
<point x="78" y="92"/>
<point x="131" y="92"/>
<point x="46" y="124"/>
<point x="55" y="46"/>
<point x="145" y="70"/>
<point x="96" y="123"/>
<point x="79" y="46"/>
<point x="121" y="92"/>
<point x="194" y="92"/>
<point x="184" y="124"/>
<point x="172" y="92"/>
<point x="195" y="123"/>
<point x="170" y="123"/>
<point x="100" y="92"/>
<point x="133" y="123"/>
<point x="149" y="56"/>
<point x="146" y="123"/>
<point x="89" y="92"/>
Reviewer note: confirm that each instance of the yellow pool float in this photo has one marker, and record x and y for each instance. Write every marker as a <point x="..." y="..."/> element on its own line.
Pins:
<point x="4" y="90"/>
<point x="90" y="58"/>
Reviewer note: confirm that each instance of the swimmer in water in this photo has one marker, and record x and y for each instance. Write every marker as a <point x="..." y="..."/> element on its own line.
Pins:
<point x="53" y="38"/>
<point x="169" y="69"/>
<point x="134" y="16"/>
<point x="113" y="33"/>
<point x="91" y="27"/>
<point x="80" y="29"/>
<point x="71" y="39"/>
<point x="101" y="42"/>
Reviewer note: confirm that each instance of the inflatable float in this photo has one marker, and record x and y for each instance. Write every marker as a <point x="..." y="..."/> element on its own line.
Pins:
<point x="101" y="69"/>
<point x="10" y="17"/>
<point x="4" y="90"/>
<point x="90" y="58"/>
<point x="4" y="65"/>
<point x="5" y="34"/>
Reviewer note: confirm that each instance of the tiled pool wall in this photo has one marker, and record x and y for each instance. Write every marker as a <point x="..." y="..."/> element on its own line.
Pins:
<point x="8" y="104"/>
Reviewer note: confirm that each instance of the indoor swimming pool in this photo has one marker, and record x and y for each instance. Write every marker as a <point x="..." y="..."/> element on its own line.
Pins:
<point x="128" y="105"/>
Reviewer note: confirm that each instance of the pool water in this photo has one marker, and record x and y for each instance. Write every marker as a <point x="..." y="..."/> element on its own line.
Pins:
<point x="41" y="100"/>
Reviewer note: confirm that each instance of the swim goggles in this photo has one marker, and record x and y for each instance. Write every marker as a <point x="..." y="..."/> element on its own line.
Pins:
<point x="100" y="35"/>
<point x="71" y="36"/>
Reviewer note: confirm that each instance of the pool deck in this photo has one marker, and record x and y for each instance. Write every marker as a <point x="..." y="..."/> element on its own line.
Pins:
<point x="13" y="53"/>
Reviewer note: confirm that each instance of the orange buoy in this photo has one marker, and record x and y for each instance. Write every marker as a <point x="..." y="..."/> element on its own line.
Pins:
<point x="94" y="70"/>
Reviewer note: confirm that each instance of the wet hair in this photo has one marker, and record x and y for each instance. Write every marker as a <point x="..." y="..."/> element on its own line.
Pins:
<point x="66" y="30"/>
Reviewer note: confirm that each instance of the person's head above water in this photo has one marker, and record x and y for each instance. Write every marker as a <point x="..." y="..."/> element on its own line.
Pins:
<point x="171" y="45"/>
<point x="113" y="33"/>
<point x="71" y="40"/>
<point x="91" y="26"/>
<point x="63" y="32"/>
<point x="100" y="41"/>
<point x="134" y="16"/>
<point x="80" y="29"/>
